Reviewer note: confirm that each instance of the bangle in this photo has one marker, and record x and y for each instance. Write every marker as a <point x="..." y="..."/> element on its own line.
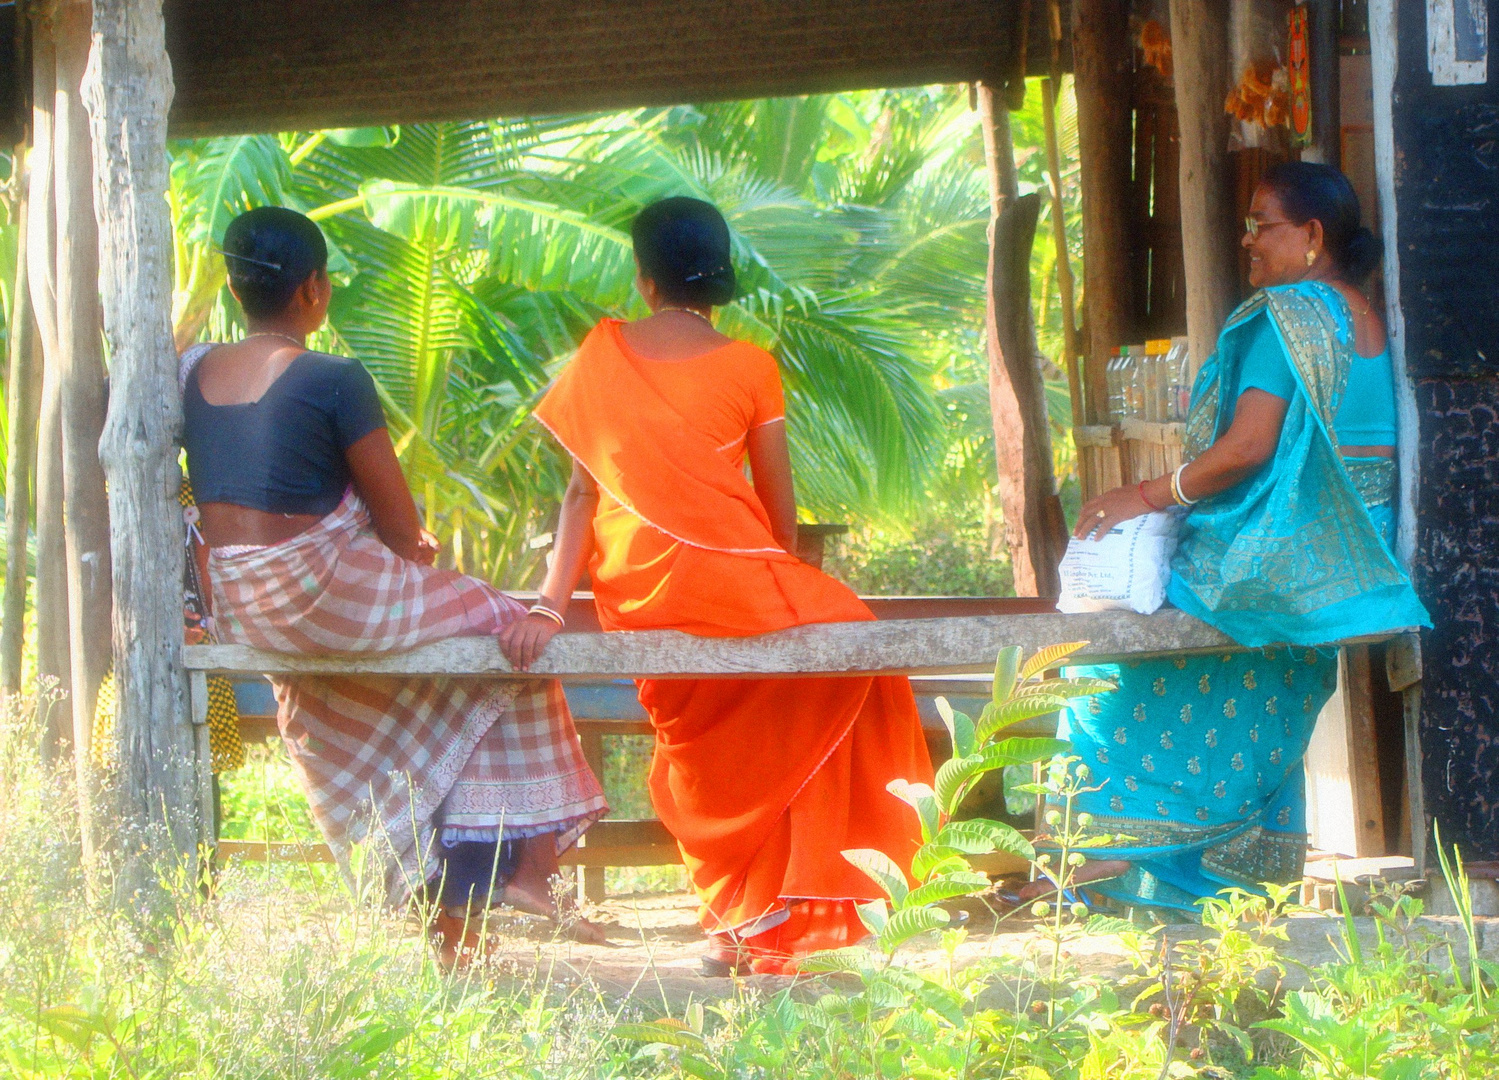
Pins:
<point x="546" y="613"/>
<point x="1176" y="488"/>
<point x="1144" y="498"/>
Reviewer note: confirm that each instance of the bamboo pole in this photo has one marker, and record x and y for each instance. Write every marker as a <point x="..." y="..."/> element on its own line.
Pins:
<point x="129" y="92"/>
<point x="85" y="507"/>
<point x="53" y="655"/>
<point x="23" y="408"/>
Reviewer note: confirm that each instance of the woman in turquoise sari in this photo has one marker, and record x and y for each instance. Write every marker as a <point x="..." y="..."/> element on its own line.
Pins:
<point x="1286" y="546"/>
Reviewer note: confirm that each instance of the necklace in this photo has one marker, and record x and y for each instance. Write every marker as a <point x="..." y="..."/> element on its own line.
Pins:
<point x="687" y="311"/>
<point x="275" y="334"/>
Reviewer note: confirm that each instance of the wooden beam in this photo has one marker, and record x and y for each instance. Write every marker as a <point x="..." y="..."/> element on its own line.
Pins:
<point x="272" y="65"/>
<point x="23" y="403"/>
<point x="1103" y="56"/>
<point x="1199" y="54"/>
<point x="916" y="646"/>
<point x="129" y="92"/>
<point x="53" y="656"/>
<point x="85" y="506"/>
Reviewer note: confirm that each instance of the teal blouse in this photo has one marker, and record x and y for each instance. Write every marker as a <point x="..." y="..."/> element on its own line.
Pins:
<point x="1365" y="416"/>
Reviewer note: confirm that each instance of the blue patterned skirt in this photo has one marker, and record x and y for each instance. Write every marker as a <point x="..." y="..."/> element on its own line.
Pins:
<point x="1198" y="761"/>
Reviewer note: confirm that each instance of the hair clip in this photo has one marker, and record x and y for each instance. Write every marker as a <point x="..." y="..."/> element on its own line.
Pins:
<point x="703" y="274"/>
<point x="246" y="258"/>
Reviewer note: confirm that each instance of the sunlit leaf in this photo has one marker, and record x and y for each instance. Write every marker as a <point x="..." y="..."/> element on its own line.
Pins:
<point x="1050" y="657"/>
<point x="881" y="869"/>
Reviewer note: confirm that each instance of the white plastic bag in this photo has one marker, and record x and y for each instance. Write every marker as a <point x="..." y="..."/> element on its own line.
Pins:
<point x="1127" y="570"/>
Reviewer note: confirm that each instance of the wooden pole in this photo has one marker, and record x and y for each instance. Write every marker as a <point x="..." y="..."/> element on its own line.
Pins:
<point x="1049" y="88"/>
<point x="1035" y="531"/>
<point x="1199" y="53"/>
<point x="1102" y="56"/>
<point x="85" y="506"/>
<point x="23" y="406"/>
<point x="129" y="90"/>
<point x="53" y="653"/>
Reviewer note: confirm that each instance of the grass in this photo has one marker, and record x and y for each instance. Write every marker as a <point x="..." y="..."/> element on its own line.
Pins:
<point x="286" y="972"/>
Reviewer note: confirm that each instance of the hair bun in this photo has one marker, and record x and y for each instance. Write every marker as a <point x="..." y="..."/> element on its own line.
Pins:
<point x="1361" y="254"/>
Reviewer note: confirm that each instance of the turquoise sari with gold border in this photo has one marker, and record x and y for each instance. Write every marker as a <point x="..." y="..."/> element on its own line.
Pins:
<point x="1198" y="758"/>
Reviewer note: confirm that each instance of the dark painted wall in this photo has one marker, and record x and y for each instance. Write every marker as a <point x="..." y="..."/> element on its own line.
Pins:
<point x="1447" y="195"/>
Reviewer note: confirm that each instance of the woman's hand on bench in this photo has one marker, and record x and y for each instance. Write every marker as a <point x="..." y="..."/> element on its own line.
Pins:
<point x="524" y="640"/>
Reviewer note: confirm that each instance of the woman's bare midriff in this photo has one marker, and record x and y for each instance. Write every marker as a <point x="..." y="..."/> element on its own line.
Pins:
<point x="1367" y="451"/>
<point x="227" y="525"/>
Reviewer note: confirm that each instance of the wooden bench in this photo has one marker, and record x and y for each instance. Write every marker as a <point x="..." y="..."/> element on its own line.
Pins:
<point x="934" y="640"/>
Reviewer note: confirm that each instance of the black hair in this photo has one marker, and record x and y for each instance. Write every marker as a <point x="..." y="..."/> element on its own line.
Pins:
<point x="683" y="246"/>
<point x="1309" y="190"/>
<point x="269" y="252"/>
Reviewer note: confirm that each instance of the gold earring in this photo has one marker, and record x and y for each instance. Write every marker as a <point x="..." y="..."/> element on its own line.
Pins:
<point x="1311" y="257"/>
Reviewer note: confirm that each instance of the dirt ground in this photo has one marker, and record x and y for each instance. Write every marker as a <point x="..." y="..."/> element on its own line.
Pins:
<point x="656" y="945"/>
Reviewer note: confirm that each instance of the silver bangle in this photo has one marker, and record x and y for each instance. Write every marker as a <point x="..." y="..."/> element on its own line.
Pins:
<point x="1176" y="487"/>
<point x="547" y="613"/>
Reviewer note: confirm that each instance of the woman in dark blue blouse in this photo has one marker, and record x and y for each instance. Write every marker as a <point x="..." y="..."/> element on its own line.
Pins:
<point x="467" y="790"/>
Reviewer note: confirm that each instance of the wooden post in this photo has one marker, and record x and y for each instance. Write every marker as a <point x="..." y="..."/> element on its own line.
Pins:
<point x="1199" y="55"/>
<point x="1049" y="88"/>
<point x="1035" y="530"/>
<point x="129" y="90"/>
<point x="22" y="404"/>
<point x="1102" y="61"/>
<point x="85" y="508"/>
<point x="53" y="654"/>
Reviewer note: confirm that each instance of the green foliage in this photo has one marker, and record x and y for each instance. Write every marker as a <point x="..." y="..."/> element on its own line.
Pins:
<point x="940" y="867"/>
<point x="283" y="973"/>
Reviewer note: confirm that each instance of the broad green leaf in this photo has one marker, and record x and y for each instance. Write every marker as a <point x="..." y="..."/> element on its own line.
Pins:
<point x="874" y="915"/>
<point x="1005" y="714"/>
<point x="907" y="923"/>
<point x="947" y="887"/>
<point x="1006" y="670"/>
<point x="980" y="836"/>
<point x="660" y="1033"/>
<point x="1068" y="688"/>
<point x="881" y="869"/>
<point x="851" y="959"/>
<point x="953" y="779"/>
<point x="959" y="728"/>
<point x="921" y="799"/>
<point x="1050" y="657"/>
<point x="1025" y="751"/>
<point x="934" y="859"/>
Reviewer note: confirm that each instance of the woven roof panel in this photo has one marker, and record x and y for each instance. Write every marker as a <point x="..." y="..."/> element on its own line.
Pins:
<point x="266" y="65"/>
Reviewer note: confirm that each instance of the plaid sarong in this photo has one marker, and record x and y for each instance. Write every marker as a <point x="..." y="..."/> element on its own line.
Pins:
<point x="401" y="760"/>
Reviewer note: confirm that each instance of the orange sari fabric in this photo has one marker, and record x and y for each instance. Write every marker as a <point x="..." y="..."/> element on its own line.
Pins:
<point x="762" y="781"/>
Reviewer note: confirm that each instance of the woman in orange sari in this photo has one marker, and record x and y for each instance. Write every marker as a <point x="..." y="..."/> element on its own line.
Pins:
<point x="763" y="782"/>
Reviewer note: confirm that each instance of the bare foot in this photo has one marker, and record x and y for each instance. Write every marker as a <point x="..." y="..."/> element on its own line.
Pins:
<point x="530" y="890"/>
<point x="1089" y="871"/>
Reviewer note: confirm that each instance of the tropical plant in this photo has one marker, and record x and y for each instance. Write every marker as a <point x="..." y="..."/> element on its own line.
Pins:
<point x="940" y="868"/>
<point x="473" y="256"/>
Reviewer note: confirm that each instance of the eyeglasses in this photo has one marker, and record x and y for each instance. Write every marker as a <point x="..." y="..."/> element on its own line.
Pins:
<point x="1254" y="226"/>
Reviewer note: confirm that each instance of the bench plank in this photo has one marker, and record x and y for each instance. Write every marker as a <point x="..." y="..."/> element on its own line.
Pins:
<point x="953" y="645"/>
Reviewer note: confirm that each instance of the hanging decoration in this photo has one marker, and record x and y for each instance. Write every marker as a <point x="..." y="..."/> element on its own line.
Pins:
<point x="1298" y="53"/>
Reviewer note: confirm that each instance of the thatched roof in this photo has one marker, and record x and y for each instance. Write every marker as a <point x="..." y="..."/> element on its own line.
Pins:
<point x="264" y="65"/>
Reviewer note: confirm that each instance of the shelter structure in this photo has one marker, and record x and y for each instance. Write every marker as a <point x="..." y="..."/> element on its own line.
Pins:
<point x="98" y="85"/>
